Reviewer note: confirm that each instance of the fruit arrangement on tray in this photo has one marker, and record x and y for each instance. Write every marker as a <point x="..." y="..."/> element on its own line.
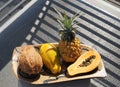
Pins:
<point x="68" y="57"/>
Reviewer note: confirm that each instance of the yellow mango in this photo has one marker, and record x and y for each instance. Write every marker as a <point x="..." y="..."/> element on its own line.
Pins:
<point x="50" y="57"/>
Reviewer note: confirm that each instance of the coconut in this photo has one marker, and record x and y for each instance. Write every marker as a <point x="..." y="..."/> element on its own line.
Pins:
<point x="30" y="61"/>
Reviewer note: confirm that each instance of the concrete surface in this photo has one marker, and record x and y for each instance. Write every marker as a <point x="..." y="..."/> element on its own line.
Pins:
<point x="37" y="25"/>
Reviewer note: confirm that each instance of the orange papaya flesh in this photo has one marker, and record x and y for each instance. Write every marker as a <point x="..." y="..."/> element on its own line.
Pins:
<point x="85" y="63"/>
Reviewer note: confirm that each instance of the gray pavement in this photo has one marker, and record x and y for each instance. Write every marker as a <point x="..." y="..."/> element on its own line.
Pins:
<point x="37" y="25"/>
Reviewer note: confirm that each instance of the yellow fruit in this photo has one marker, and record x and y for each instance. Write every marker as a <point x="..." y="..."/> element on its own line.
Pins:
<point x="85" y="63"/>
<point x="50" y="57"/>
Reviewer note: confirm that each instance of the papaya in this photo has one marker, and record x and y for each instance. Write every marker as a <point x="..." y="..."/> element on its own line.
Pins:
<point x="85" y="63"/>
<point x="50" y="57"/>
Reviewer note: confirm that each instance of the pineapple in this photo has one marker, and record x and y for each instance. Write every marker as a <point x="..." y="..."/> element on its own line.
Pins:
<point x="69" y="45"/>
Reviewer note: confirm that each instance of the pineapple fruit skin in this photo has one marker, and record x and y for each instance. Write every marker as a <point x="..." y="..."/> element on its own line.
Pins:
<point x="70" y="50"/>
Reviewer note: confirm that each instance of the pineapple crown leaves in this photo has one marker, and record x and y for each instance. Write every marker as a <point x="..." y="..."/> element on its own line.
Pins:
<point x="68" y="31"/>
<point x="66" y="22"/>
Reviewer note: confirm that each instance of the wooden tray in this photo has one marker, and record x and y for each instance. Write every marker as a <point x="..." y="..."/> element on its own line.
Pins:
<point x="45" y="79"/>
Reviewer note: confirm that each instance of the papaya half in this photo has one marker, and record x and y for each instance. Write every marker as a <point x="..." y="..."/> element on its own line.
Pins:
<point x="50" y="57"/>
<point x="85" y="63"/>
